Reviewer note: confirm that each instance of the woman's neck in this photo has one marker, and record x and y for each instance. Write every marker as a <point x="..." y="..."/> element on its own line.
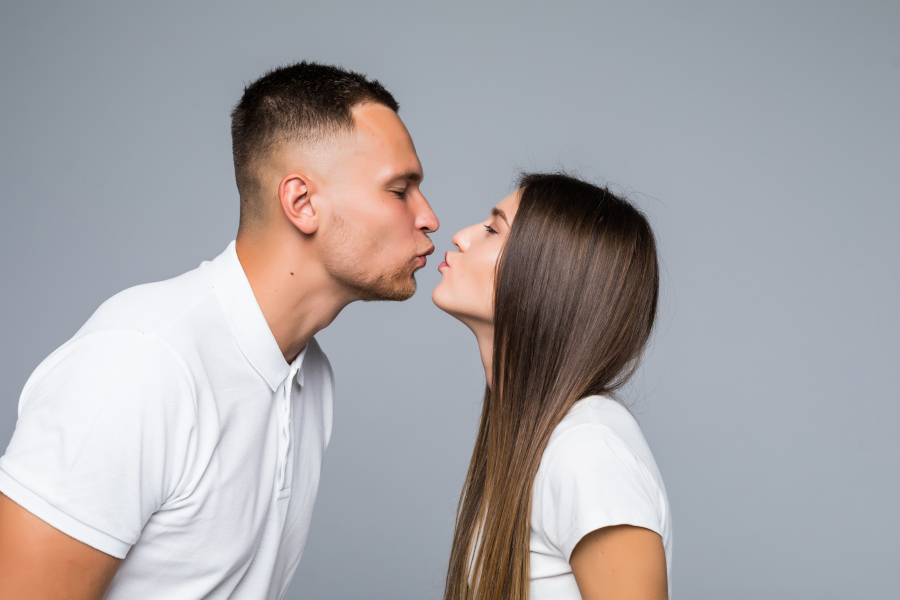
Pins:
<point x="484" y="334"/>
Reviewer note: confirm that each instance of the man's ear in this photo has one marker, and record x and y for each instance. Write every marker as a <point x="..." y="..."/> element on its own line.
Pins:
<point x="295" y="192"/>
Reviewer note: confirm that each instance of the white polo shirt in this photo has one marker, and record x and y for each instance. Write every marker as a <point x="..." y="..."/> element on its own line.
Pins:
<point x="597" y="471"/>
<point x="171" y="432"/>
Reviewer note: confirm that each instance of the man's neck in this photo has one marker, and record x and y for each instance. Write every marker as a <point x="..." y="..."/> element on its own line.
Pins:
<point x="294" y="291"/>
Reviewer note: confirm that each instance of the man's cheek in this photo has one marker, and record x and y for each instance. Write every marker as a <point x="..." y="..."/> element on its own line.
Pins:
<point x="387" y="238"/>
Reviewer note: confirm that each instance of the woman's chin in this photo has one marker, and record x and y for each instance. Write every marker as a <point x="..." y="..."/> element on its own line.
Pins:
<point x="438" y="296"/>
<point x="444" y="301"/>
<point x="476" y="318"/>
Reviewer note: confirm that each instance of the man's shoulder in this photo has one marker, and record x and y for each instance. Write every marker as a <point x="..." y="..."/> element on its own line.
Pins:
<point x="315" y="353"/>
<point x="135" y="331"/>
<point x="316" y="363"/>
<point x="152" y="308"/>
<point x="99" y="358"/>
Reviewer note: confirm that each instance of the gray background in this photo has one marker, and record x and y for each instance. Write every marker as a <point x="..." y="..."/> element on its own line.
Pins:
<point x="762" y="138"/>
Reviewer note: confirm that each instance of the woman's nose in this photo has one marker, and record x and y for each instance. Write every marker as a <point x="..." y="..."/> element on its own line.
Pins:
<point x="461" y="240"/>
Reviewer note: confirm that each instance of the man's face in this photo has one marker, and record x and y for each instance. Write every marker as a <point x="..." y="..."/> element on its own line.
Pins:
<point x="374" y="237"/>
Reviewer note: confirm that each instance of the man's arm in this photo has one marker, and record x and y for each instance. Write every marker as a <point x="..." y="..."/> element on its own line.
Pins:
<point x="620" y="563"/>
<point x="39" y="562"/>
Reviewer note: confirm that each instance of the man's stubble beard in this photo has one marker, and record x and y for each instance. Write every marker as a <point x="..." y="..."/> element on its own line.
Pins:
<point x="339" y="259"/>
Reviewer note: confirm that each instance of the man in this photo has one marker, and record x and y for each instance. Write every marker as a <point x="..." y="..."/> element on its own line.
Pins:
<point x="172" y="448"/>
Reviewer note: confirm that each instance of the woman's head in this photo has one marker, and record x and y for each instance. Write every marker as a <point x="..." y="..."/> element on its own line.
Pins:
<point x="571" y="303"/>
<point x="579" y="265"/>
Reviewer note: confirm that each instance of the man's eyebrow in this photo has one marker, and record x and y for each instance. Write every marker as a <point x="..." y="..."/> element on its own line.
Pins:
<point x="408" y="176"/>
<point x="496" y="212"/>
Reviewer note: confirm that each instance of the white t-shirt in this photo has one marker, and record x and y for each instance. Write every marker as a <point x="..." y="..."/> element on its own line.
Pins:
<point x="597" y="471"/>
<point x="171" y="432"/>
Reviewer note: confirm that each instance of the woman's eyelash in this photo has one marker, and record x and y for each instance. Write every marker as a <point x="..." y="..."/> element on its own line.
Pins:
<point x="399" y="194"/>
<point x="490" y="229"/>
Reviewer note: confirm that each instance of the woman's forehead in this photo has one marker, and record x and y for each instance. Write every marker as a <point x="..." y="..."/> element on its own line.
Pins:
<point x="508" y="206"/>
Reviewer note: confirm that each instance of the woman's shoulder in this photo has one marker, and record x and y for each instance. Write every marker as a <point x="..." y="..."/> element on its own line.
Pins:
<point x="599" y="435"/>
<point x="602" y="417"/>
<point x="597" y="471"/>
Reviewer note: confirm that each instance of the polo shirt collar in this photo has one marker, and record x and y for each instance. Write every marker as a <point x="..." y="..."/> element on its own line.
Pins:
<point x="250" y="327"/>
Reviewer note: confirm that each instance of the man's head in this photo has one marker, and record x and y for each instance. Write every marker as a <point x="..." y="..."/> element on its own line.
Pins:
<point x="320" y="152"/>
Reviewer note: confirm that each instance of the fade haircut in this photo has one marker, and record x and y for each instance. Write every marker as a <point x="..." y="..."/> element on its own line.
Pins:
<point x="301" y="103"/>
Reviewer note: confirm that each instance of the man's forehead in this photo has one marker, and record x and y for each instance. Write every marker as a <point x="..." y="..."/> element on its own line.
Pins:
<point x="379" y="121"/>
<point x="381" y="136"/>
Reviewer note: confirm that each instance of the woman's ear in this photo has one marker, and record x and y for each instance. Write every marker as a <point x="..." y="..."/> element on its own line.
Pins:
<point x="295" y="194"/>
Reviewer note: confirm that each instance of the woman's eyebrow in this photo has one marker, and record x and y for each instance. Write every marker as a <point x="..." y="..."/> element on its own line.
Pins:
<point x="496" y="212"/>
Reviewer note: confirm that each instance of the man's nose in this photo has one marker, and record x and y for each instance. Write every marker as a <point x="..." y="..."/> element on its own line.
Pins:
<point x="426" y="220"/>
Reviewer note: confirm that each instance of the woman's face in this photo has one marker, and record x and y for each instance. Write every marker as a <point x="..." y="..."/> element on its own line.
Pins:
<point x="466" y="290"/>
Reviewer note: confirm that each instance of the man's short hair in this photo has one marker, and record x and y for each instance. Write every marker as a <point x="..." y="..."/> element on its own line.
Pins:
<point x="300" y="103"/>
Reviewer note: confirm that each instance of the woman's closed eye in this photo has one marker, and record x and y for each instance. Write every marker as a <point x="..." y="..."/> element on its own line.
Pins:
<point x="489" y="229"/>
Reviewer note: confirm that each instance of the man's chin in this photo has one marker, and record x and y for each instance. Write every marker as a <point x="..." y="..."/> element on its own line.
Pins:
<point x="395" y="286"/>
<point x="390" y="290"/>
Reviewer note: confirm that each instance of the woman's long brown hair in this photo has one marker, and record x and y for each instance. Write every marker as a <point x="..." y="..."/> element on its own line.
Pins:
<point x="575" y="300"/>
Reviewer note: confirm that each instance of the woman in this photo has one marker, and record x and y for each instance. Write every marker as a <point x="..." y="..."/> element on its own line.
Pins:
<point x="563" y="498"/>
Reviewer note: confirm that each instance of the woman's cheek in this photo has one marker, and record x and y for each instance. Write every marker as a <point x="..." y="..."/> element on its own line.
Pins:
<point x="486" y="284"/>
